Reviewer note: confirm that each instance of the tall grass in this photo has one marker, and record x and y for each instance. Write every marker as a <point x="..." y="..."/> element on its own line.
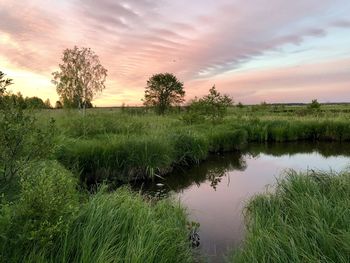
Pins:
<point x="122" y="227"/>
<point x="307" y="219"/>
<point x="117" y="145"/>
<point x="117" y="157"/>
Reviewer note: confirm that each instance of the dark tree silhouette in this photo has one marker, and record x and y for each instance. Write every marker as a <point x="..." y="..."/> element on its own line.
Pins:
<point x="4" y="83"/>
<point x="163" y="90"/>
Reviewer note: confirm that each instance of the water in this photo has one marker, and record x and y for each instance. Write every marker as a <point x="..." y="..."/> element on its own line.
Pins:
<point x="216" y="191"/>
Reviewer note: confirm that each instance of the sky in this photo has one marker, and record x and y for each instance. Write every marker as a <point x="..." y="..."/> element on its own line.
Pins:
<point x="254" y="51"/>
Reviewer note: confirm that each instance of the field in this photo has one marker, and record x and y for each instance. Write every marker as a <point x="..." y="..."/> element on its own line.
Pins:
<point x="127" y="144"/>
<point x="41" y="221"/>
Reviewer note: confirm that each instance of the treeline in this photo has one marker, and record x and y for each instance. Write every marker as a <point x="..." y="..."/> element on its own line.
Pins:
<point x="24" y="102"/>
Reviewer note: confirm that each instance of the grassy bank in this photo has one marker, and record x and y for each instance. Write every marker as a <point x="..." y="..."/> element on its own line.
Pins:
<point x="307" y="219"/>
<point x="123" y="145"/>
<point x="47" y="217"/>
<point x="50" y="221"/>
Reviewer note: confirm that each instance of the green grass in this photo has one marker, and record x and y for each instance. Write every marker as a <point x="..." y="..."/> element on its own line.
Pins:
<point x="122" y="227"/>
<point x="50" y="220"/>
<point x="47" y="223"/>
<point x="307" y="219"/>
<point x="118" y="145"/>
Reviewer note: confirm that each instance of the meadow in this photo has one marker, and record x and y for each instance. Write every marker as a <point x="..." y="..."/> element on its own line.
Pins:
<point x="92" y="153"/>
<point x="120" y="145"/>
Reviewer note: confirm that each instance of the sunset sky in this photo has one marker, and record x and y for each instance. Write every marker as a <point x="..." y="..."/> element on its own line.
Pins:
<point x="257" y="50"/>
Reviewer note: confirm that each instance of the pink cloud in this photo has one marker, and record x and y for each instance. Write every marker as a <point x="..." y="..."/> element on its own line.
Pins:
<point x="196" y="40"/>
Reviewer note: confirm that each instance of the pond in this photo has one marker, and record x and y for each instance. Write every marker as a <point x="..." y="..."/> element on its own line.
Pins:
<point x="216" y="191"/>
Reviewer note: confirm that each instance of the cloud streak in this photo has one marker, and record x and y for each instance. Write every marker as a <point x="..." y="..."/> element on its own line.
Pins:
<point x="200" y="41"/>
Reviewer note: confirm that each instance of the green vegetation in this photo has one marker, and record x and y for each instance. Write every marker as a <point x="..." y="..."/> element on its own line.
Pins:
<point x="80" y="77"/>
<point x="314" y="105"/>
<point x="305" y="220"/>
<point x="211" y="107"/>
<point x="128" y="143"/>
<point x="48" y="157"/>
<point x="163" y="91"/>
<point x="45" y="218"/>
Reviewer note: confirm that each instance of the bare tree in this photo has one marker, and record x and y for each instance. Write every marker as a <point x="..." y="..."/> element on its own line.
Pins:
<point x="80" y="78"/>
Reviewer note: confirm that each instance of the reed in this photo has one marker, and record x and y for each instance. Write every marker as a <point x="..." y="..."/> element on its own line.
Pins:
<point x="123" y="227"/>
<point x="305" y="220"/>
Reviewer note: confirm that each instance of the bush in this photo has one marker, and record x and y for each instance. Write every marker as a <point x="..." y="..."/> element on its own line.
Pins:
<point x="48" y="200"/>
<point x="212" y="106"/>
<point x="314" y="105"/>
<point x="21" y="141"/>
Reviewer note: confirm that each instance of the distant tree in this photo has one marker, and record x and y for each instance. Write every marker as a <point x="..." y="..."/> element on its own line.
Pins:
<point x="80" y="78"/>
<point x="240" y="105"/>
<point x="48" y="104"/>
<point x="4" y="82"/>
<point x="314" y="105"/>
<point x="19" y="100"/>
<point x="163" y="90"/>
<point x="34" y="103"/>
<point x="58" y="105"/>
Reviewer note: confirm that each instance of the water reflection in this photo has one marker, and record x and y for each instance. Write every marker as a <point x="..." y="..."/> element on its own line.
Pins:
<point x="216" y="191"/>
<point x="212" y="171"/>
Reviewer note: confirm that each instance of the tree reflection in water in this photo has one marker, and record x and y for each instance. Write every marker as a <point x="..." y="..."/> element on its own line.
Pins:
<point x="212" y="170"/>
<point x="217" y="166"/>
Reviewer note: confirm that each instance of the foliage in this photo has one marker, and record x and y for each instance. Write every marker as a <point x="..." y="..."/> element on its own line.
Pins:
<point x="122" y="227"/>
<point x="226" y="140"/>
<point x="58" y="105"/>
<point x="17" y="100"/>
<point x="314" y="105"/>
<point x="305" y="220"/>
<point x="212" y="106"/>
<point x="109" y="143"/>
<point x="47" y="202"/>
<point x="117" y="158"/>
<point x="240" y="105"/>
<point x="188" y="147"/>
<point x="163" y="90"/>
<point x="48" y="104"/>
<point x="4" y="83"/>
<point x="80" y="78"/>
<point x="21" y="141"/>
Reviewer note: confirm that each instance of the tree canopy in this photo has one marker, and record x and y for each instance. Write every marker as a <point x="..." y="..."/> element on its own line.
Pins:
<point x="163" y="90"/>
<point x="80" y="78"/>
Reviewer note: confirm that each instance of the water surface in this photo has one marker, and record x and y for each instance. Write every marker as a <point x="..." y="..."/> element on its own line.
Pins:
<point x="216" y="191"/>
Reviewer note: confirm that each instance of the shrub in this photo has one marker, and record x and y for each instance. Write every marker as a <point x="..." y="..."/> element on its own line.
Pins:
<point x="21" y="141"/>
<point x="48" y="199"/>
<point x="212" y="106"/>
<point x="314" y="105"/>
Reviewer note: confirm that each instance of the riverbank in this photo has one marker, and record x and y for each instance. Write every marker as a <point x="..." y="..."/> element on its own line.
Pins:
<point x="306" y="219"/>
<point x="42" y="219"/>
<point x="121" y="146"/>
